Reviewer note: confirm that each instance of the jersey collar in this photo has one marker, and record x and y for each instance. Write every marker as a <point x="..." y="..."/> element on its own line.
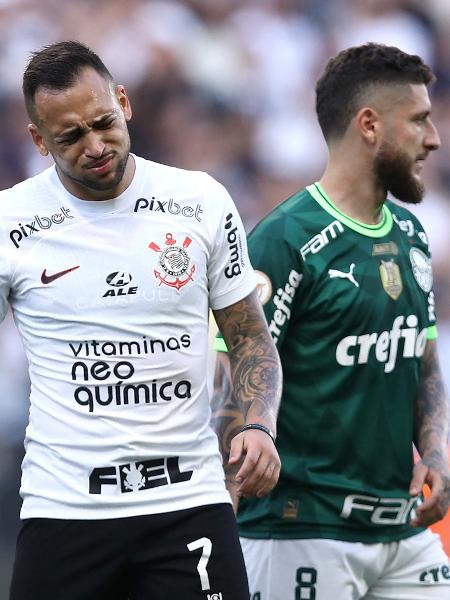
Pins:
<point x="375" y="231"/>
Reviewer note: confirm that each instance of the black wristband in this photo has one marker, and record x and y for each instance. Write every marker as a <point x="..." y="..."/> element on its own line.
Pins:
<point x="260" y="427"/>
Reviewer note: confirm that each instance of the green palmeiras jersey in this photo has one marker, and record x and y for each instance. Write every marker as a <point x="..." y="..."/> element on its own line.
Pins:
<point x="350" y="307"/>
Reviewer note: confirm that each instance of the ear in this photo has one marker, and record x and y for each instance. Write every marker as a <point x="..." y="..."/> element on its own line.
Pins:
<point x="369" y="124"/>
<point x="124" y="102"/>
<point x="38" y="140"/>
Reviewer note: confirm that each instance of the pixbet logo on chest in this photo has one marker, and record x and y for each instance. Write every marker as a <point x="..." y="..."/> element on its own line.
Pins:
<point x="39" y="223"/>
<point x="169" y="206"/>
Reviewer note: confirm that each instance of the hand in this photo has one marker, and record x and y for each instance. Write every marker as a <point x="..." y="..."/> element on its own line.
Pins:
<point x="261" y="465"/>
<point x="435" y="506"/>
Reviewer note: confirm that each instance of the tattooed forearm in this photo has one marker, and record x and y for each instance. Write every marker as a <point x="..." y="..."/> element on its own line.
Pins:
<point x="254" y="362"/>
<point x="227" y="415"/>
<point x="431" y="417"/>
<point x="226" y="420"/>
<point x="247" y="390"/>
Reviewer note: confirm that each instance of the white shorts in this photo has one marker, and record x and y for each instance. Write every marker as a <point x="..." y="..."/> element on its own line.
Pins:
<point x="416" y="568"/>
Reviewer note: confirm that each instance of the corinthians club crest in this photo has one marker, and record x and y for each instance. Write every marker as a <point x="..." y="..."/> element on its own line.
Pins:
<point x="174" y="262"/>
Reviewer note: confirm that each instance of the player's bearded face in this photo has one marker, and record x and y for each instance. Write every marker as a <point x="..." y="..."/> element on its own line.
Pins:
<point x="84" y="128"/>
<point x="394" y="171"/>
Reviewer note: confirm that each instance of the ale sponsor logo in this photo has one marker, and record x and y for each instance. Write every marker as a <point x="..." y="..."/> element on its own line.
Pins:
<point x="120" y="284"/>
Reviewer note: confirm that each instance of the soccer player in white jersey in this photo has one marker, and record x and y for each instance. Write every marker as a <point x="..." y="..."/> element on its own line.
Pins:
<point x="111" y="263"/>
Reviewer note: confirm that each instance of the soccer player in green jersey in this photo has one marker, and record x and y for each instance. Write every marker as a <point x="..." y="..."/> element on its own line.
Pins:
<point x="346" y="283"/>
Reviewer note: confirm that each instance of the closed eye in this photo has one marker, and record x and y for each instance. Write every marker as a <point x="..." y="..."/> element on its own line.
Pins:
<point x="70" y="139"/>
<point x="105" y="124"/>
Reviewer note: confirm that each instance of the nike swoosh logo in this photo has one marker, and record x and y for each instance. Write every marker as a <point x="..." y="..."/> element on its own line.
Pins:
<point x="49" y="278"/>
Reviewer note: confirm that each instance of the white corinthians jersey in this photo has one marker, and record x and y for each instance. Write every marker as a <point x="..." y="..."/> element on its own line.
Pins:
<point x="111" y="299"/>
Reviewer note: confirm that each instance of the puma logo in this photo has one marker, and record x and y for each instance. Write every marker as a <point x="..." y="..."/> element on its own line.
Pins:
<point x="343" y="275"/>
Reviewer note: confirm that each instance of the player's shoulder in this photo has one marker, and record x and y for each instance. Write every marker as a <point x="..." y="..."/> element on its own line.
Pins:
<point x="293" y="218"/>
<point x="406" y="221"/>
<point x="172" y="177"/>
<point x="29" y="192"/>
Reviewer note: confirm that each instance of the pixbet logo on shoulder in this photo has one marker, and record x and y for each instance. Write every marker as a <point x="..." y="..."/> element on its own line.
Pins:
<point x="39" y="223"/>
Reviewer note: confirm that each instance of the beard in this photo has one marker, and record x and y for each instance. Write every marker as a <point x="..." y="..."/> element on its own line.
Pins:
<point x="93" y="182"/>
<point x="393" y="170"/>
<point x="100" y="185"/>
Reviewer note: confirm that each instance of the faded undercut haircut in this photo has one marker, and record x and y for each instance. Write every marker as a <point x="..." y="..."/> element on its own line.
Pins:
<point x="56" y="67"/>
<point x="353" y="72"/>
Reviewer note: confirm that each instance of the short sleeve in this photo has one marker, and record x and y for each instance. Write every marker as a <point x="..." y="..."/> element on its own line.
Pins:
<point x="279" y="274"/>
<point x="230" y="273"/>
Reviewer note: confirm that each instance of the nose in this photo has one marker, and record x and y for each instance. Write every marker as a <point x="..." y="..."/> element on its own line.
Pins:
<point x="93" y="144"/>
<point x="432" y="141"/>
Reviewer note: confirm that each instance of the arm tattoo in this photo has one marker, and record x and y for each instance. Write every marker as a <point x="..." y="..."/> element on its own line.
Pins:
<point x="227" y="415"/>
<point x="252" y="390"/>
<point x="431" y="413"/>
<point x="227" y="419"/>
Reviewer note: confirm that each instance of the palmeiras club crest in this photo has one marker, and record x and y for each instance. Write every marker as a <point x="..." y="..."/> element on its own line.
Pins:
<point x="421" y="267"/>
<point x="174" y="261"/>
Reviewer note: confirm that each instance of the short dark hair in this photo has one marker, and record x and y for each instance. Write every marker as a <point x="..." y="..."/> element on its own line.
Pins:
<point x="353" y="71"/>
<point x="56" y="67"/>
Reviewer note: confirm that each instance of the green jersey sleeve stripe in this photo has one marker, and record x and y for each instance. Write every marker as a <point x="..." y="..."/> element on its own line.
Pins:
<point x="220" y="345"/>
<point x="375" y="231"/>
<point x="432" y="333"/>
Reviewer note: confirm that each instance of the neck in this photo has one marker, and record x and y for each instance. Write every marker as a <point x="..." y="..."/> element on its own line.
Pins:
<point x="352" y="187"/>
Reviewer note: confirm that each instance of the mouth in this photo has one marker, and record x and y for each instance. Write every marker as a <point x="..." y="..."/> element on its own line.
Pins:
<point x="101" y="166"/>
<point x="419" y="162"/>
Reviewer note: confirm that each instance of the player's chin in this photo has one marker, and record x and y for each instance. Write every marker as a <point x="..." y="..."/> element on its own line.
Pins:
<point x="104" y="182"/>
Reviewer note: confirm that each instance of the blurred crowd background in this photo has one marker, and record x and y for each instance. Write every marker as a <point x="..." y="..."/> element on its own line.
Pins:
<point x="225" y="86"/>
